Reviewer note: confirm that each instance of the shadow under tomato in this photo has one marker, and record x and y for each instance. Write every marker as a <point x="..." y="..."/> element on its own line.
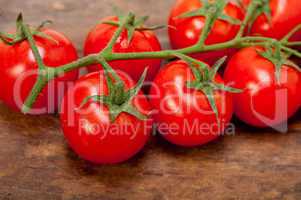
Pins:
<point x="180" y="151"/>
<point x="242" y="127"/>
<point x="111" y="175"/>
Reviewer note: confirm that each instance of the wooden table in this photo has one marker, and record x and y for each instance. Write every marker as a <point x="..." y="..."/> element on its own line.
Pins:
<point x="36" y="163"/>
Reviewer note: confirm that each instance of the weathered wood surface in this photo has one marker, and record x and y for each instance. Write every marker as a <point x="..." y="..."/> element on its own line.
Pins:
<point x="36" y="163"/>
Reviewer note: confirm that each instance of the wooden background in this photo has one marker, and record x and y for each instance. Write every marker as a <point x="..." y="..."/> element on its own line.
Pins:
<point x="36" y="163"/>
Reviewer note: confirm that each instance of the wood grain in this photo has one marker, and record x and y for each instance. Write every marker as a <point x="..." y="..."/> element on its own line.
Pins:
<point x="36" y="163"/>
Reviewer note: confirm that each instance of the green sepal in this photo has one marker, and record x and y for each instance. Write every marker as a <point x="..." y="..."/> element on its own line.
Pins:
<point x="6" y="38"/>
<point x="19" y="36"/>
<point x="45" y="36"/>
<point x="209" y="92"/>
<point x="226" y="88"/>
<point x="19" y="23"/>
<point x="112" y="23"/>
<point x="265" y="9"/>
<point x="196" y="66"/>
<point x="216" y="67"/>
<point x="292" y="64"/>
<point x="133" y="111"/>
<point x="195" y="13"/>
<point x="205" y="79"/>
<point x="152" y="28"/>
<point x="135" y="24"/>
<point x="134" y="91"/>
<point x="274" y="54"/>
<point x="37" y="31"/>
<point x="131" y="31"/>
<point x="118" y="100"/>
<point x="43" y="24"/>
<point x="95" y="98"/>
<point x="208" y="7"/>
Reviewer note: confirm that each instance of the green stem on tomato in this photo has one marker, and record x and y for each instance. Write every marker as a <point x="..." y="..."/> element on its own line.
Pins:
<point x="109" y="69"/>
<point x="205" y="32"/>
<point x="165" y="54"/>
<point x="286" y="38"/>
<point x="109" y="48"/>
<point x="250" y="12"/>
<point x="32" y="43"/>
<point x="30" y="100"/>
<point x="43" y="73"/>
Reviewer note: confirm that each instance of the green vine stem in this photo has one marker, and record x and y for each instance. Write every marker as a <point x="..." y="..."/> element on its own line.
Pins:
<point x="43" y="73"/>
<point x="47" y="73"/>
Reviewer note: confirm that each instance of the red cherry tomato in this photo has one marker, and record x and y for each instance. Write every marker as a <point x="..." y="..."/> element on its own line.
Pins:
<point x="184" y="116"/>
<point x="142" y="41"/>
<point x="264" y="102"/>
<point x="285" y="16"/>
<point x="90" y="132"/>
<point x="185" y="32"/>
<point x="18" y="70"/>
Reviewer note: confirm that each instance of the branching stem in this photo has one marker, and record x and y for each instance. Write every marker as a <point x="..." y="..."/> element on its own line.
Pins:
<point x="46" y="73"/>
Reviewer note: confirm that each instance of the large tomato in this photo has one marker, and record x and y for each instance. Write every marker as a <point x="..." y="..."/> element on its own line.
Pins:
<point x="285" y="16"/>
<point x="264" y="102"/>
<point x="18" y="70"/>
<point x="89" y="130"/>
<point x="184" y="32"/>
<point x="141" y="41"/>
<point x="184" y="116"/>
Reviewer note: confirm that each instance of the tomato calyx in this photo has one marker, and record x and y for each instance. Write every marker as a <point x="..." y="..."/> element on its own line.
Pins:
<point x="205" y="79"/>
<point x="134" y="24"/>
<point x="19" y="36"/>
<point x="212" y="8"/>
<point x="118" y="100"/>
<point x="263" y="7"/>
<point x="273" y="52"/>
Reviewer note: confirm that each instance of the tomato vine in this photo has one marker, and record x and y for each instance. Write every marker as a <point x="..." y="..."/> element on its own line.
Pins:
<point x="213" y="12"/>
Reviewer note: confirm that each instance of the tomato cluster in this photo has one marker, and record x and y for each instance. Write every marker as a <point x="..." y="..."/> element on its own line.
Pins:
<point x="189" y="103"/>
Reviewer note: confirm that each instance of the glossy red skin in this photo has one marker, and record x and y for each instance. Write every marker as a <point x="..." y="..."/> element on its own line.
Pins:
<point x="142" y="41"/>
<point x="174" y="104"/>
<point x="17" y="60"/>
<point x="285" y="16"/>
<point x="185" y="32"/>
<point x="249" y="71"/>
<point x="102" y="147"/>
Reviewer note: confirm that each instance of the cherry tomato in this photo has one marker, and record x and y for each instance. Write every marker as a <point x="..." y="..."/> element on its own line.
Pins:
<point x="185" y="32"/>
<point x="19" y="70"/>
<point x="285" y="16"/>
<point x="142" y="41"/>
<point x="263" y="103"/>
<point x="184" y="116"/>
<point x="89" y="130"/>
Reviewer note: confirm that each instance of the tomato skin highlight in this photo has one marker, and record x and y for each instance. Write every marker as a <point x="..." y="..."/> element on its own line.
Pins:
<point x="89" y="131"/>
<point x="263" y="103"/>
<point x="285" y="16"/>
<point x="179" y="109"/>
<point x="19" y="71"/>
<point x="186" y="32"/>
<point x="142" y="41"/>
